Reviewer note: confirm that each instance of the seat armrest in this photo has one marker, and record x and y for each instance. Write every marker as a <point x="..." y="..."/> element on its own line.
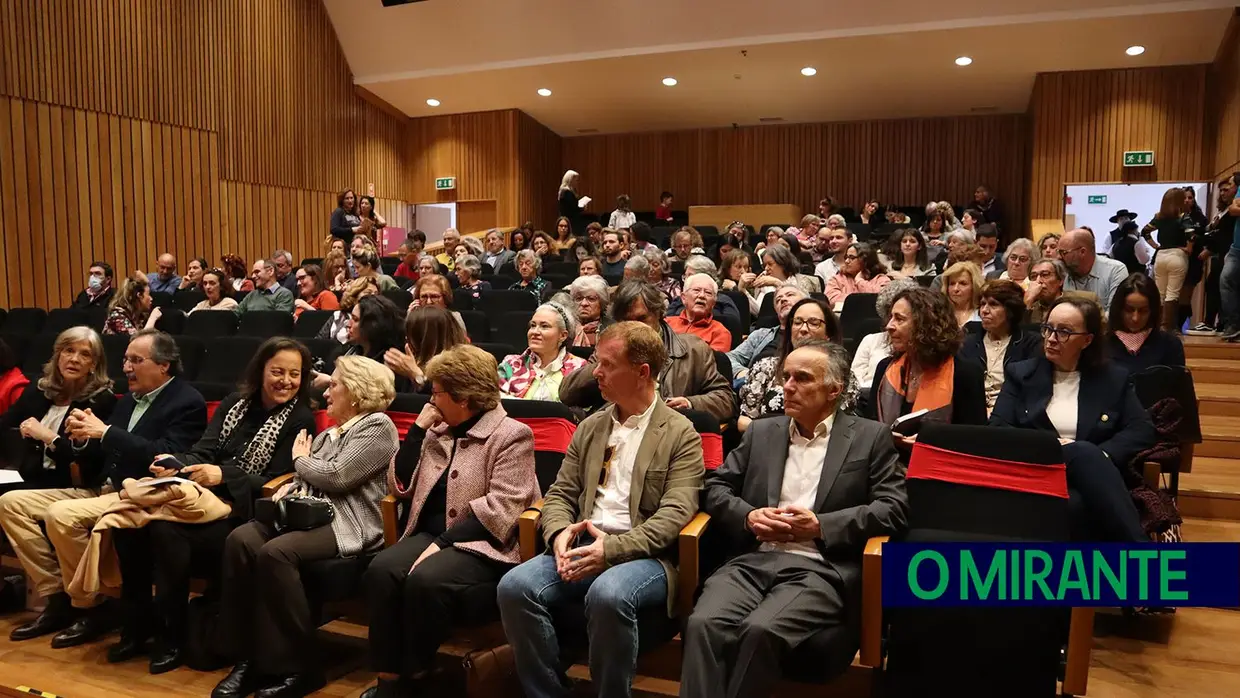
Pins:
<point x="527" y="530"/>
<point x="872" y="603"/>
<point x="389" y="507"/>
<point x="274" y="484"/>
<point x="689" y="566"/>
<point x="75" y="474"/>
<point x="1080" y="644"/>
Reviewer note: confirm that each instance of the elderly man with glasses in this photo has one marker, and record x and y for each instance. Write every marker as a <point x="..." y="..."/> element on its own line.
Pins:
<point x="1086" y="270"/>
<point x="698" y="296"/>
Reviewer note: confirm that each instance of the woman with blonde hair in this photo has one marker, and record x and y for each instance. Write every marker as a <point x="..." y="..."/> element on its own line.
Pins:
<point x="1048" y="246"/>
<point x="569" y="203"/>
<point x="336" y="271"/>
<point x="808" y="230"/>
<point x="130" y="310"/>
<point x="962" y="284"/>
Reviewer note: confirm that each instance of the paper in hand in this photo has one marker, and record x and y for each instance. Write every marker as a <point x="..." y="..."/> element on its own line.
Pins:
<point x="10" y="477"/>
<point x="584" y="201"/>
<point x="161" y="481"/>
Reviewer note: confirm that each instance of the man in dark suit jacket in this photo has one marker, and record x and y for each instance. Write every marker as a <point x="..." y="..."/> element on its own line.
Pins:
<point x="798" y="500"/>
<point x="160" y="414"/>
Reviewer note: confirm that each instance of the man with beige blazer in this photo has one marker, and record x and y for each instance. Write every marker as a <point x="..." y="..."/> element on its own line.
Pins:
<point x="628" y="484"/>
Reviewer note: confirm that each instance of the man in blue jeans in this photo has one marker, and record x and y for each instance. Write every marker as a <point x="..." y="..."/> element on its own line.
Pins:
<point x="1229" y="281"/>
<point x="628" y="484"/>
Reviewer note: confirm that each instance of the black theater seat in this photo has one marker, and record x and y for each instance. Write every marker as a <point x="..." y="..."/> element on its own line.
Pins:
<point x="265" y="324"/>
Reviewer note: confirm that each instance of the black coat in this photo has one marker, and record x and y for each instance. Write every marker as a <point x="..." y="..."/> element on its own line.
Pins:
<point x="968" y="391"/>
<point x="1022" y="347"/>
<point x="1109" y="414"/>
<point x="84" y="302"/>
<point x="1159" y="349"/>
<point x="28" y="453"/>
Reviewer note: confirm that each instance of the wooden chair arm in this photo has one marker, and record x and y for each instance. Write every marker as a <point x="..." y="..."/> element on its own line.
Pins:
<point x="872" y="603"/>
<point x="1152" y="474"/>
<point x="527" y="530"/>
<point x="273" y="485"/>
<point x="1080" y="644"/>
<point x="390" y="508"/>
<point x="75" y="474"/>
<point x="689" y="566"/>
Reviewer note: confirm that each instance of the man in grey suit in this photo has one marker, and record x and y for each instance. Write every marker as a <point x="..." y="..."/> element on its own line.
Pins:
<point x="799" y="498"/>
<point x="496" y="254"/>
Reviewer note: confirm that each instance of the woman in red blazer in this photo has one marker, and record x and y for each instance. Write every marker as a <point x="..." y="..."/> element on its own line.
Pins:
<point x="12" y="380"/>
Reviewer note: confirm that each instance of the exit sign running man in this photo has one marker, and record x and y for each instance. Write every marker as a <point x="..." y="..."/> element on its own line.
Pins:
<point x="1138" y="158"/>
<point x="445" y="183"/>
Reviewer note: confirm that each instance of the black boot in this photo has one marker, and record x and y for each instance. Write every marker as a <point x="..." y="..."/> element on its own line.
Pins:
<point x="165" y="656"/>
<point x="390" y="688"/>
<point x="293" y="686"/>
<point x="133" y="644"/>
<point x="56" y="616"/>
<point x="94" y="624"/>
<point x="240" y="682"/>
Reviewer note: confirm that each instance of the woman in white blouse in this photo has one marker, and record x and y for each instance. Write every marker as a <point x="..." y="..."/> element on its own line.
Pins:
<point x="1089" y="403"/>
<point x="623" y="217"/>
<point x="218" y="291"/>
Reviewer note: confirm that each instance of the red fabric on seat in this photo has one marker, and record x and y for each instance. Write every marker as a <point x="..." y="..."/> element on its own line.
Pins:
<point x="211" y="408"/>
<point x="550" y="433"/>
<point x="712" y="450"/>
<point x="934" y="463"/>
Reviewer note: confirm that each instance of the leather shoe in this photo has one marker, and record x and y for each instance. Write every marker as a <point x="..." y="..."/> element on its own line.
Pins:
<point x="164" y="658"/>
<point x="387" y="688"/>
<point x="94" y="625"/>
<point x="240" y="682"/>
<point x="57" y="616"/>
<point x="293" y="686"/>
<point x="130" y="647"/>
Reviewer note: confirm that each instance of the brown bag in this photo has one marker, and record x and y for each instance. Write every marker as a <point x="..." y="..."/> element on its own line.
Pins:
<point x="491" y="673"/>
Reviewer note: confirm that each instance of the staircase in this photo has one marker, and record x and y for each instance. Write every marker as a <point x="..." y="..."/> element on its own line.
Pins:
<point x="1212" y="489"/>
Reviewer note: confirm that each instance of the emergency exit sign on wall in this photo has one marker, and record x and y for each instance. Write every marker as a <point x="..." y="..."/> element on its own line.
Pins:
<point x="1138" y="158"/>
<point x="445" y="183"/>
<point x="1099" y="199"/>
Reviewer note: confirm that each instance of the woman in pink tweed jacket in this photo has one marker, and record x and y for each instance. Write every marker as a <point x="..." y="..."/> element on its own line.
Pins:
<point x="467" y="471"/>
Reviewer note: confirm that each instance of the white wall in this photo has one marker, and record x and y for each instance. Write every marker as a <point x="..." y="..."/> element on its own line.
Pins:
<point x="1143" y="199"/>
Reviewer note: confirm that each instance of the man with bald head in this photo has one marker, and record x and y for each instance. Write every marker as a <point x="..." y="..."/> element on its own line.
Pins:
<point x="1086" y="270"/>
<point x="166" y="280"/>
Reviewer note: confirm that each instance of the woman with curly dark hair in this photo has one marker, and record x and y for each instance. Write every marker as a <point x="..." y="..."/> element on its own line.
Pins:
<point x="861" y="272"/>
<point x="923" y="372"/>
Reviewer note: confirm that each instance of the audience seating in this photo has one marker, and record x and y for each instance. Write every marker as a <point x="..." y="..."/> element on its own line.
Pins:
<point x="265" y="324"/>
<point x="476" y="325"/>
<point x="583" y="352"/>
<point x="400" y="297"/>
<point x="3" y="315"/>
<point x="38" y="351"/>
<point x="511" y="327"/>
<point x="558" y="281"/>
<point x="496" y="303"/>
<point x="61" y="319"/>
<point x="162" y="299"/>
<point x="867" y="326"/>
<point x="324" y="352"/>
<point x="1158" y="383"/>
<point x="192" y="350"/>
<point x="18" y="343"/>
<point x="499" y="351"/>
<point x="499" y="282"/>
<point x="114" y="346"/>
<point x="310" y="322"/>
<point x="187" y="299"/>
<point x="211" y="323"/>
<point x="171" y="321"/>
<point x="226" y="358"/>
<point x="858" y="307"/>
<point x="766" y="312"/>
<point x="462" y="299"/>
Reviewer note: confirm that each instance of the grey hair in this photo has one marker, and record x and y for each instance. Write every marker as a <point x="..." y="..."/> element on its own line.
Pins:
<point x="470" y="263"/>
<point x="1061" y="269"/>
<point x="962" y="235"/>
<point x="1023" y="243"/>
<point x="839" y="369"/>
<point x="53" y="384"/>
<point x="474" y="245"/>
<point x="836" y="217"/>
<point x="630" y="291"/>
<point x="282" y="253"/>
<point x="887" y="296"/>
<point x="565" y="319"/>
<point x="266" y="263"/>
<point x="592" y="286"/>
<point x="639" y="264"/>
<point x="164" y="349"/>
<point x="653" y="254"/>
<point x="784" y="258"/>
<point x="530" y="255"/>
<point x="706" y="277"/>
<point x="434" y="262"/>
<point x="699" y="264"/>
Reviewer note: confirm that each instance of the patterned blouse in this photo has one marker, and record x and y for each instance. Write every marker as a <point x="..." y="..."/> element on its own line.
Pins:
<point x="670" y="286"/>
<point x="535" y="287"/>
<point x="520" y="375"/>
<point x="763" y="392"/>
<point x="121" y="322"/>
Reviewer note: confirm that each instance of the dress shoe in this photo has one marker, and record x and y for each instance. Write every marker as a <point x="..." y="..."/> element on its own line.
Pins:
<point x="164" y="658"/>
<point x="390" y="688"/>
<point x="58" y="615"/>
<point x="131" y="646"/>
<point x="95" y="624"/>
<point x="293" y="686"/>
<point x="240" y="682"/>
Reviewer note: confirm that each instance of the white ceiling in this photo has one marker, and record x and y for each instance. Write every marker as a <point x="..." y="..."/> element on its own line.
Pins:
<point x="739" y="60"/>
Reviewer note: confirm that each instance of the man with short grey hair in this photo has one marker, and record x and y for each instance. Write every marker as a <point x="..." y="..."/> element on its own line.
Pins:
<point x="267" y="294"/>
<point x="1086" y="270"/>
<point x="283" y="261"/>
<point x="637" y="269"/>
<point x="697" y="299"/>
<point x="725" y="310"/>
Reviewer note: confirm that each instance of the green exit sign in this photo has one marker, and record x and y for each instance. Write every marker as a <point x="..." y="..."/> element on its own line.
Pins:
<point x="445" y="183"/>
<point x="1138" y="158"/>
<point x="1100" y="199"/>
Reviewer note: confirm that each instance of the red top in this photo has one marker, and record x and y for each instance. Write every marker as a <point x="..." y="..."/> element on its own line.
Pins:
<point x="11" y="386"/>
<point x="406" y="271"/>
<point x="663" y="213"/>
<point x="710" y="330"/>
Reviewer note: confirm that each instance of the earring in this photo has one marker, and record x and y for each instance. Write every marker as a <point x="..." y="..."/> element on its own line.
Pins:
<point x="355" y="403"/>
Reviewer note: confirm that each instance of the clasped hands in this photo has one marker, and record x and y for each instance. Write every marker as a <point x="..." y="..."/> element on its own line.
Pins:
<point x="83" y="425"/>
<point x="576" y="564"/>
<point x="783" y="524"/>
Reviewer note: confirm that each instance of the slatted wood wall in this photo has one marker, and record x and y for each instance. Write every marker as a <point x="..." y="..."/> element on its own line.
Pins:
<point x="1082" y="123"/>
<point x="904" y="162"/>
<point x="1222" y="154"/>
<point x="130" y="127"/>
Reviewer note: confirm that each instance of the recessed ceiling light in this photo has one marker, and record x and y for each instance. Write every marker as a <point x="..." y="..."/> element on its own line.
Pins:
<point x="964" y="60"/>
<point x="670" y="82"/>
<point x="1135" y="50"/>
<point x="809" y="72"/>
<point x="544" y="92"/>
<point x="432" y="102"/>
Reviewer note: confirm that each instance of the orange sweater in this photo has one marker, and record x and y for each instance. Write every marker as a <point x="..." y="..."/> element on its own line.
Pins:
<point x="709" y="330"/>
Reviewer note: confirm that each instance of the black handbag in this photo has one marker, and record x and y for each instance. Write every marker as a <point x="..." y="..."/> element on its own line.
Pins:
<point x="294" y="513"/>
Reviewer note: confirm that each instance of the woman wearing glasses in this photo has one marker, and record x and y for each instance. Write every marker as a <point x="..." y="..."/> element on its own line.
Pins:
<point x="860" y="273"/>
<point x="1001" y="342"/>
<point x="1074" y="392"/>
<point x="434" y="289"/>
<point x="1019" y="259"/>
<point x="763" y="393"/>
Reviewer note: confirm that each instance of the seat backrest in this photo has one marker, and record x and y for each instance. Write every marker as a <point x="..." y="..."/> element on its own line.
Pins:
<point x="187" y="299"/>
<point x="741" y="300"/>
<point x="192" y="350"/>
<point x="171" y="321"/>
<point x="553" y="425"/>
<point x="462" y="299"/>
<point x="583" y="352"/>
<point x="163" y="299"/>
<point x="265" y="324"/>
<point x="766" y="312"/>
<point x="324" y="353"/>
<point x="114" y="346"/>
<point x="38" y="352"/>
<point x="227" y="357"/>
<point x="61" y="319"/>
<point x="1171" y="382"/>
<point x="498" y="350"/>
<point x="495" y="303"/>
<point x="208" y="324"/>
<point x="308" y="324"/>
<point x="707" y="427"/>
<point x="511" y="327"/>
<point x="476" y="325"/>
<point x="400" y="297"/>
<point x="858" y="307"/>
<point x="27" y="321"/>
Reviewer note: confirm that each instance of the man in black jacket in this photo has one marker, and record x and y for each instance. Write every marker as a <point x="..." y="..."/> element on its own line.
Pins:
<point x="99" y="290"/>
<point x="160" y="414"/>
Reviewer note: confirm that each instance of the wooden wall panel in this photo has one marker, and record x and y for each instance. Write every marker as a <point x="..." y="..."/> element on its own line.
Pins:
<point x="538" y="170"/>
<point x="1222" y="151"/>
<point x="478" y="149"/>
<point x="1082" y="122"/>
<point x="903" y="162"/>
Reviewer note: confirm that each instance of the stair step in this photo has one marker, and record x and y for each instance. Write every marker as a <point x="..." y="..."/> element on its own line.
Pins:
<point x="1220" y="438"/>
<point x="1210" y="348"/>
<point x="1218" y="399"/>
<point x="1223" y="371"/>
<point x="1212" y="489"/>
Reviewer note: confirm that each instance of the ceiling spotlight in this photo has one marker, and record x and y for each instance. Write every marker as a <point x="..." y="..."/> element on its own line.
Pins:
<point x="964" y="60"/>
<point x="1135" y="50"/>
<point x="670" y="82"/>
<point x="809" y="72"/>
<point x="432" y="102"/>
<point x="544" y="92"/>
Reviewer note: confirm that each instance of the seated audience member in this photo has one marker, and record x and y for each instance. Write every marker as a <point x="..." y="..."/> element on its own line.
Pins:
<point x="544" y="246"/>
<point x="520" y="238"/>
<point x="801" y="530"/>
<point x="564" y="235"/>
<point x="734" y="271"/>
<point x="988" y="240"/>
<point x="218" y="292"/>
<point x="266" y="622"/>
<point x="376" y="324"/>
<point x="161" y="413"/>
<point x="359" y="245"/>
<point x="451" y="237"/>
<point x="1018" y="259"/>
<point x="193" y="275"/>
<point x="869" y="220"/>
<point x="591" y="297"/>
<point x="468" y="273"/>
<point x="166" y="280"/>
<point x="923" y="371"/>
<point x="408" y="267"/>
<point x="1086" y="270"/>
<point x="311" y="293"/>
<point x="838" y="240"/>
<point x="614" y="254"/>
<point x="1048" y="246"/>
<point x="638" y="268"/>
<point x="130" y="310"/>
<point x="681" y="245"/>
<point x="641" y="235"/>
<point x="496" y="254"/>
<point x="433" y="289"/>
<point x="429" y="331"/>
<point x="75" y="378"/>
<point x="805" y="234"/>
<point x="1000" y="341"/>
<point x="725" y="307"/>
<point x="466" y="246"/>
<point x="336" y="271"/>
<point x="591" y="266"/>
<point x="367" y="263"/>
<point x="779" y="266"/>
<point x="1046" y="279"/>
<point x="861" y="273"/>
<point x="957" y="244"/>
<point x="970" y="219"/>
<point x="605" y="549"/>
<point x="428" y="265"/>
<point x="765" y="341"/>
<point x="235" y="267"/>
<point x="538" y="372"/>
<point x="763" y="392"/>
<point x="660" y="274"/>
<point x="446" y="567"/>
<point x="248" y="442"/>
<point x="908" y="256"/>
<point x="331" y="245"/>
<point x="1136" y="340"/>
<point x="337" y="327"/>
<point x="774" y="236"/>
<point x="529" y="264"/>
<point x="582" y="248"/>
<point x="12" y="381"/>
<point x="962" y="284"/>
<point x="595" y="232"/>
<point x="1090" y="404"/>
<point x="99" y="291"/>
<point x="875" y="347"/>
<point x="690" y="381"/>
<point x="267" y="294"/>
<point x="697" y="317"/>
<point x="283" y="261"/>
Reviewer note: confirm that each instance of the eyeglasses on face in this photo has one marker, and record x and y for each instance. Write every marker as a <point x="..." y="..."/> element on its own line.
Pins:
<point x="1039" y="275"/>
<point x="812" y="322"/>
<point x="430" y="297"/>
<point x="1061" y="334"/>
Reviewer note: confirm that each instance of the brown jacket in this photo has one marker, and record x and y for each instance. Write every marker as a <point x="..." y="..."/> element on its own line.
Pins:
<point x="690" y="372"/>
<point x="667" y="476"/>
